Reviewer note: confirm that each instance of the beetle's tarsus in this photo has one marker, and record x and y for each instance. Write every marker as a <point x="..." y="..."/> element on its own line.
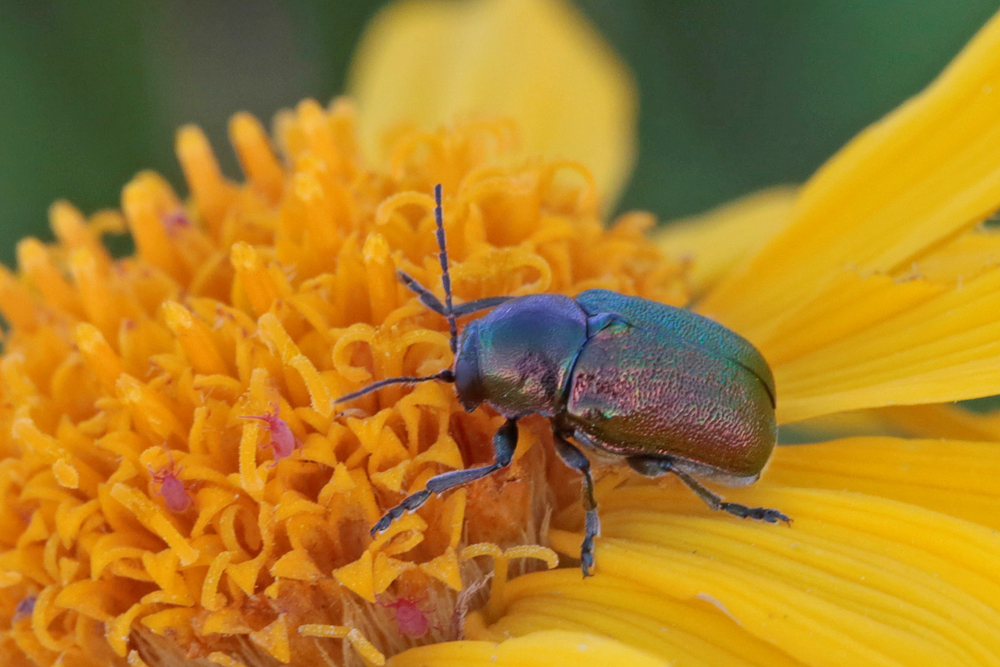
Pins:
<point x="758" y="513"/>
<point x="409" y="504"/>
<point x="593" y="529"/>
<point x="587" y="556"/>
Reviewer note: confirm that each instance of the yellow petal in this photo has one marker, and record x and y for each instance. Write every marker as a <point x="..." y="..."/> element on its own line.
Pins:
<point x="889" y="560"/>
<point x="718" y="241"/>
<point x="831" y="300"/>
<point x="626" y="610"/>
<point x="953" y="477"/>
<point x="854" y="578"/>
<point x="541" y="649"/>
<point x="918" y="177"/>
<point x="944" y="420"/>
<point x="940" y="348"/>
<point x="963" y="258"/>
<point x="536" y="61"/>
<point x="273" y="639"/>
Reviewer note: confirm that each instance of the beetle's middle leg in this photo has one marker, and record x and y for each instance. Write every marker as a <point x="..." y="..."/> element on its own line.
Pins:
<point x="575" y="459"/>
<point x="504" y="443"/>
<point x="654" y="467"/>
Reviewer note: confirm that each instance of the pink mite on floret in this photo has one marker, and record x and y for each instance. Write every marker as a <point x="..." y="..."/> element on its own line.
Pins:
<point x="412" y="620"/>
<point x="175" y="495"/>
<point x="176" y="220"/>
<point x="283" y="441"/>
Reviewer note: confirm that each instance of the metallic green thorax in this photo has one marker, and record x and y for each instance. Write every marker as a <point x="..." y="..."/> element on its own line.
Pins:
<point x="523" y="352"/>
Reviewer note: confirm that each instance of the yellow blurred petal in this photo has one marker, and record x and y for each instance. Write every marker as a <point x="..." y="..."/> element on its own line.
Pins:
<point x="541" y="649"/>
<point x="874" y="341"/>
<point x="923" y="174"/>
<point x="719" y="240"/>
<point x="536" y="61"/>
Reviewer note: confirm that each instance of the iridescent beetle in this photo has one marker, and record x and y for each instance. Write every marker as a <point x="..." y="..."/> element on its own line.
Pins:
<point x="667" y="390"/>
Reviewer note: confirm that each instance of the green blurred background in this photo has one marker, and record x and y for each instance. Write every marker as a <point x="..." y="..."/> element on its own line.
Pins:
<point x="736" y="95"/>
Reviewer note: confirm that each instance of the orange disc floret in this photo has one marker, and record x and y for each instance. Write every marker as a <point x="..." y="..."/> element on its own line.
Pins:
<point x="120" y="377"/>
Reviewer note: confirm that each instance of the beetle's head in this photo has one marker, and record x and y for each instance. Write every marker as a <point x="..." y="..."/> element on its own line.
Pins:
<point x="468" y="379"/>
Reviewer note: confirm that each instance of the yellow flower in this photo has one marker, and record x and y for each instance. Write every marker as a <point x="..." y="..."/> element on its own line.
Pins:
<point x="145" y="520"/>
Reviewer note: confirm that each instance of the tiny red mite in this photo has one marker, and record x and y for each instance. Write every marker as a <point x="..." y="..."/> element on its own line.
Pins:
<point x="283" y="441"/>
<point x="412" y="619"/>
<point x="662" y="388"/>
<point x="175" y="495"/>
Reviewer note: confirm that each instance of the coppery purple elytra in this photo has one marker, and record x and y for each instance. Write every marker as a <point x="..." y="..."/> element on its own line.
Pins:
<point x="664" y="389"/>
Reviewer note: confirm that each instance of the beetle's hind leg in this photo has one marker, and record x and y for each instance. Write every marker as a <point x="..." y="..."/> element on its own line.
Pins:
<point x="575" y="459"/>
<point x="504" y="443"/>
<point x="651" y="467"/>
<point x="716" y="502"/>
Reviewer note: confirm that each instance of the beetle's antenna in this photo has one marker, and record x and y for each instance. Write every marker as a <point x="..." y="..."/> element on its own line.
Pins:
<point x="449" y="310"/>
<point x="446" y="375"/>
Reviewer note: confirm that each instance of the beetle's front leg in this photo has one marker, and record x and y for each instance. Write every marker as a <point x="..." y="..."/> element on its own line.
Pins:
<point x="575" y="459"/>
<point x="504" y="443"/>
<point x="654" y="467"/>
<point x="432" y="302"/>
<point x="424" y="294"/>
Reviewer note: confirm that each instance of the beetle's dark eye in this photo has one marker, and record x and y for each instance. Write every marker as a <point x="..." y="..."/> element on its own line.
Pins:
<point x="468" y="381"/>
